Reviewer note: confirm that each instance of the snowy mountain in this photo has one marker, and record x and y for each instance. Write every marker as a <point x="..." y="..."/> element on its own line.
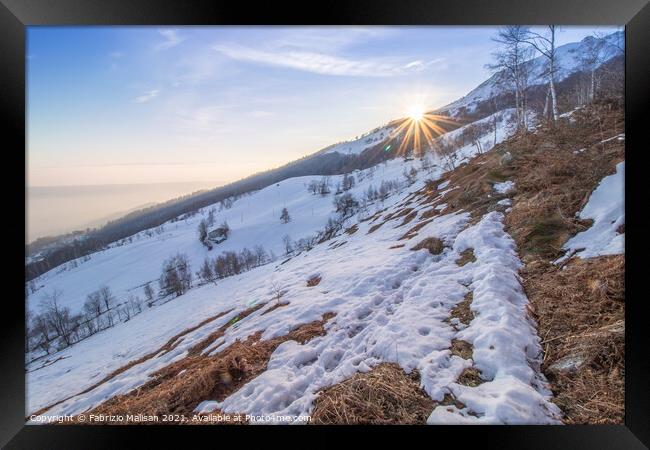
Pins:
<point x="568" y="62"/>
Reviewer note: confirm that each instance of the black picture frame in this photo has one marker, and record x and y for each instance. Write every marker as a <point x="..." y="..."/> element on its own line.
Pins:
<point x="16" y="15"/>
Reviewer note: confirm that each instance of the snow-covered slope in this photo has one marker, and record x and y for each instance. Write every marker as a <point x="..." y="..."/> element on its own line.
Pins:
<point x="366" y="141"/>
<point x="392" y="304"/>
<point x="568" y="62"/>
<point x="254" y="220"/>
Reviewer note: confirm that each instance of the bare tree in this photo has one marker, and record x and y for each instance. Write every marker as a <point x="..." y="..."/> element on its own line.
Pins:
<point x="260" y="255"/>
<point x="447" y="150"/>
<point x="346" y="204"/>
<point x="176" y="277"/>
<point x="205" y="272"/>
<point x="511" y="60"/>
<point x="324" y="186"/>
<point x="135" y="304"/>
<point x="590" y="59"/>
<point x="545" y="45"/>
<point x="473" y="133"/>
<point x="348" y="182"/>
<point x="57" y="317"/>
<point x="93" y="310"/>
<point x="277" y="290"/>
<point x="40" y="333"/>
<point x="288" y="245"/>
<point x="149" y="294"/>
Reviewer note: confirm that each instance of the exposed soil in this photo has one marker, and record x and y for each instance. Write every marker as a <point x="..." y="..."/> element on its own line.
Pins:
<point x="433" y="244"/>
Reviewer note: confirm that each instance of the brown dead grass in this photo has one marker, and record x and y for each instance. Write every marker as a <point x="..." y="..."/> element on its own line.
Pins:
<point x="413" y="231"/>
<point x="467" y="256"/>
<point x="462" y="310"/>
<point x="462" y="348"/>
<point x="338" y="244"/>
<point x="401" y="213"/>
<point x="353" y="229"/>
<point x="552" y="185"/>
<point x="274" y="307"/>
<point x="409" y="217"/>
<point x="581" y="311"/>
<point x="375" y="227"/>
<point x="168" y="346"/>
<point x="205" y="377"/>
<point x="470" y="377"/>
<point x="385" y="395"/>
<point x="397" y="246"/>
<point x="313" y="281"/>
<point x="430" y="213"/>
<point x="198" y="348"/>
<point x="433" y="244"/>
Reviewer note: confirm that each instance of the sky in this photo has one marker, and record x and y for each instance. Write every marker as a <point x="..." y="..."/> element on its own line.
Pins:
<point x="135" y="105"/>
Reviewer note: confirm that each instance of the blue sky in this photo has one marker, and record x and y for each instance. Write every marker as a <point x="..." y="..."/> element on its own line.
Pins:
<point x="114" y="105"/>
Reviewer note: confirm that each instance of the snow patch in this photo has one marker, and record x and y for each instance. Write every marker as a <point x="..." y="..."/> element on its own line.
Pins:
<point x="607" y="209"/>
<point x="504" y="187"/>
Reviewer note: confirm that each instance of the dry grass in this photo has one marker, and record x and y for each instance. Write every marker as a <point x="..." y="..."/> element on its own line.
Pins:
<point x="274" y="307"/>
<point x="430" y="213"/>
<point x="181" y="386"/>
<point x="581" y="313"/>
<point x="467" y="256"/>
<point x="462" y="348"/>
<point x="313" y="281"/>
<point x="433" y="244"/>
<point x="385" y="395"/>
<point x="552" y="185"/>
<point x="168" y="346"/>
<point x="470" y="377"/>
<point x="580" y="310"/>
<point x="397" y="246"/>
<point x="198" y="348"/>
<point x="462" y="310"/>
<point x="413" y="231"/>
<point x="353" y="229"/>
<point x="401" y="213"/>
<point x="375" y="227"/>
<point x="409" y="217"/>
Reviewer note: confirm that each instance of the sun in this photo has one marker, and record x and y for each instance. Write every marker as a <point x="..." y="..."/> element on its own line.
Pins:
<point x="416" y="113"/>
<point x="419" y="129"/>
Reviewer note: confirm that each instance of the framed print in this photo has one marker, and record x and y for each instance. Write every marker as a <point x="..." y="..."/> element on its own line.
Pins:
<point x="371" y="217"/>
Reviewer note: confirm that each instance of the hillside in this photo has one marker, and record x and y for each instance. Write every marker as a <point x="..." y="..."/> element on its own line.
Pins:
<point x="433" y="290"/>
<point x="478" y="283"/>
<point x="568" y="61"/>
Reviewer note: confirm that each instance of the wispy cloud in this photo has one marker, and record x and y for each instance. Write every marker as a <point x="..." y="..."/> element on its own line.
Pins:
<point x="323" y="39"/>
<point x="171" y="39"/>
<point x="320" y="63"/>
<point x="147" y="96"/>
<point x="116" y="55"/>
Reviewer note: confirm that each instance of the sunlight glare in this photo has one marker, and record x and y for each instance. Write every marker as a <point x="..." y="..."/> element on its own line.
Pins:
<point x="416" y="113"/>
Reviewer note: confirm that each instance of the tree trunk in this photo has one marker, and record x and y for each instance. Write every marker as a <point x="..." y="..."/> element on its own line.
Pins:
<point x="553" y="96"/>
<point x="593" y="85"/>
